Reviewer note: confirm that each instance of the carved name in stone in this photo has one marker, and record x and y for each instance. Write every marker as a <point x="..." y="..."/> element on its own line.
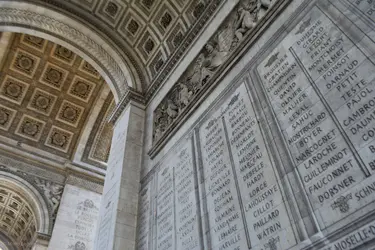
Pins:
<point x="76" y="220"/>
<point x="292" y="161"/>
<point x="244" y="195"/>
<point x="144" y="218"/>
<point x="320" y="84"/>
<point x="178" y="219"/>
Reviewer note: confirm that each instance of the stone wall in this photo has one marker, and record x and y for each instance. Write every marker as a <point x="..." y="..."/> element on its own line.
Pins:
<point x="280" y="155"/>
<point x="76" y="221"/>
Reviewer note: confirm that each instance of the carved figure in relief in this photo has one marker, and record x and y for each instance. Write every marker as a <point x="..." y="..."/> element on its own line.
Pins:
<point x="195" y="79"/>
<point x="185" y="95"/>
<point x="214" y="54"/>
<point x="160" y="122"/>
<point x="172" y="110"/>
<point x="246" y="19"/>
<point x="52" y="191"/>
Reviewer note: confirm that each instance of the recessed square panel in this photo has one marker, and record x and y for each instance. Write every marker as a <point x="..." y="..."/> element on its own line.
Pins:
<point x="157" y="63"/>
<point x="81" y="88"/>
<point x="59" y="139"/>
<point x="70" y="113"/>
<point x="195" y="10"/>
<point x="53" y="76"/>
<point x="131" y="27"/>
<point x="87" y="68"/>
<point x="42" y="102"/>
<point x="147" y="46"/>
<point x="164" y="19"/>
<point x="34" y="42"/>
<point x="25" y="63"/>
<point x="63" y="54"/>
<point x="111" y="11"/>
<point x="145" y="7"/>
<point x="176" y="37"/>
<point x="6" y="117"/>
<point x="30" y="128"/>
<point x="13" y="90"/>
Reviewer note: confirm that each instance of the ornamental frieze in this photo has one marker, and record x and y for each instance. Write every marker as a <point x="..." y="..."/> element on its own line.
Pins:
<point x="227" y="39"/>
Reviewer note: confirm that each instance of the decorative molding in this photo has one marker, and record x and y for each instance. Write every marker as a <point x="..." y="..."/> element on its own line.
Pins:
<point x="236" y="35"/>
<point x="37" y="21"/>
<point x="85" y="182"/>
<point x="131" y="95"/>
<point x="51" y="197"/>
<point x="42" y="237"/>
<point x="179" y="52"/>
<point x="96" y="134"/>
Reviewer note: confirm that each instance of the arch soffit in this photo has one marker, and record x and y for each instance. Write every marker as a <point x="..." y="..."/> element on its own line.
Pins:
<point x="35" y="198"/>
<point x="39" y="21"/>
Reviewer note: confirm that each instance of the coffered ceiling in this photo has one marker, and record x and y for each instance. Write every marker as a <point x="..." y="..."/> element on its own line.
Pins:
<point x="17" y="219"/>
<point x="46" y="95"/>
<point x="149" y="31"/>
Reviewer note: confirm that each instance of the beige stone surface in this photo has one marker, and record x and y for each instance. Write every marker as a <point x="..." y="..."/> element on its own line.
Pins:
<point x="76" y="221"/>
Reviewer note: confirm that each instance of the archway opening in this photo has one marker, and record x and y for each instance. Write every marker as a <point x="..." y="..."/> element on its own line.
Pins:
<point x="112" y="63"/>
<point x="18" y="221"/>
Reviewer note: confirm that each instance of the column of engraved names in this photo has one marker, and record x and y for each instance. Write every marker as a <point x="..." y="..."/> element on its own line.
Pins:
<point x="186" y="210"/>
<point x="165" y="226"/>
<point x="322" y="156"/>
<point x="144" y="219"/>
<point x="87" y="216"/>
<point x="265" y="212"/>
<point x="345" y="78"/>
<point x="224" y="212"/>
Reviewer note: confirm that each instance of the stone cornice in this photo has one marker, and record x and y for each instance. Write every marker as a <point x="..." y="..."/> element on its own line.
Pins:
<point x="131" y="95"/>
<point x="84" y="181"/>
<point x="42" y="236"/>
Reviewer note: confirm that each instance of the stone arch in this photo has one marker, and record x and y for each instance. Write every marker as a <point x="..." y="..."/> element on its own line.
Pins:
<point x="37" y="203"/>
<point x="28" y="18"/>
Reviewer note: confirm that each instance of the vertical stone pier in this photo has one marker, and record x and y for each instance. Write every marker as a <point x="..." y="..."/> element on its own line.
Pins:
<point x="118" y="212"/>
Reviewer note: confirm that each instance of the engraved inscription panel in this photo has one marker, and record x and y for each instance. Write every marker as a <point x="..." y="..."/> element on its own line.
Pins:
<point x="144" y="219"/>
<point x="320" y="84"/>
<point x="165" y="210"/>
<point x="285" y="157"/>
<point x="178" y="219"/>
<point x="187" y="218"/>
<point x="244" y="197"/>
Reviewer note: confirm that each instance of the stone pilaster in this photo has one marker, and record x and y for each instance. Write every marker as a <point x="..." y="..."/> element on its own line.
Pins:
<point x="77" y="217"/>
<point x="118" y="212"/>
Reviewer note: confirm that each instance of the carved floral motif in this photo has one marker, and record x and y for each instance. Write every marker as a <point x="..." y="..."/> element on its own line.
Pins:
<point x="214" y="54"/>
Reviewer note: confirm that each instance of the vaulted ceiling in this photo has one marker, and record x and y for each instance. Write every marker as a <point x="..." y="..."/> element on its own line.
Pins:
<point x="17" y="218"/>
<point x="55" y="105"/>
<point x="47" y="94"/>
<point x="149" y="31"/>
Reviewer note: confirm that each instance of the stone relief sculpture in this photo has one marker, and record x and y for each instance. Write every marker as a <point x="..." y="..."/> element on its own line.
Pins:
<point x="214" y="54"/>
<point x="52" y="192"/>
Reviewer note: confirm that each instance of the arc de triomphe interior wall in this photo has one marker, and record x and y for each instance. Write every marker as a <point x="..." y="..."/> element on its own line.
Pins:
<point x="253" y="128"/>
<point x="279" y="154"/>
